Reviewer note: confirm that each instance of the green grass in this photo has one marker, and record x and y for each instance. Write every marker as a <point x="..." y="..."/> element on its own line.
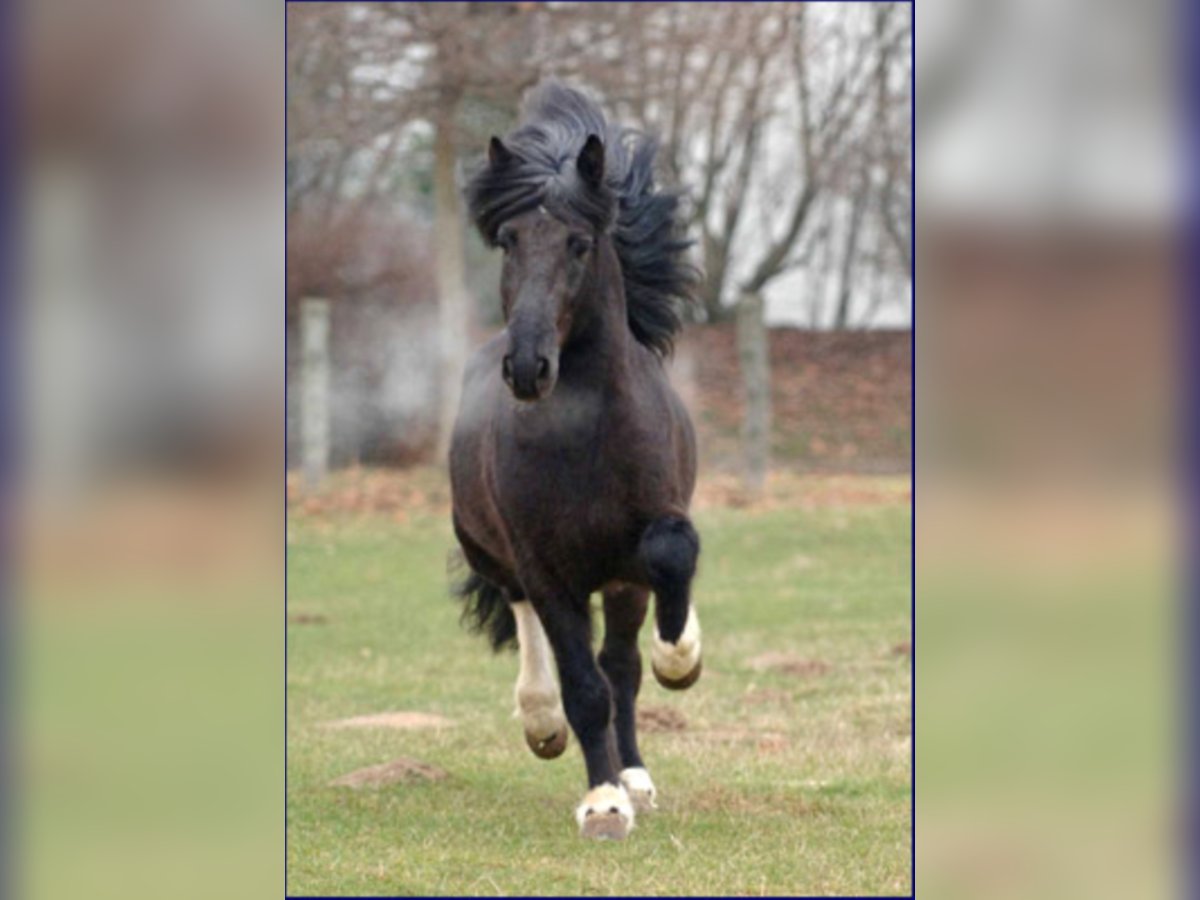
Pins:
<point x="781" y="783"/>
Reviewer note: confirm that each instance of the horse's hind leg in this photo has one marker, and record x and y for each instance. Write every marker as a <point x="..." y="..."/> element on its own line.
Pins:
<point x="668" y="551"/>
<point x="624" y="611"/>
<point x="538" y="699"/>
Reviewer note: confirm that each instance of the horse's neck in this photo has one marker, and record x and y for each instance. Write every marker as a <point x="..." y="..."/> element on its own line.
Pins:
<point x="601" y="345"/>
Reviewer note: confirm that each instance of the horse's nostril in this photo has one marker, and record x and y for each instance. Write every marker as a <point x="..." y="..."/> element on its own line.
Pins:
<point x="506" y="368"/>
<point x="543" y="368"/>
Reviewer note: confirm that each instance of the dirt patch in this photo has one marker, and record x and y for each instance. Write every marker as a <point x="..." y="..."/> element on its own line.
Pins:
<point x="398" y="771"/>
<point x="904" y="648"/>
<point x="660" y="718"/>
<point x="768" y="744"/>
<point x="306" y="619"/>
<point x="405" y="721"/>
<point x="765" y="696"/>
<point x="790" y="664"/>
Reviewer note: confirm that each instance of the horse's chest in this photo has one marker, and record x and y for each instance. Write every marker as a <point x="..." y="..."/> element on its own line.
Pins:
<point x="581" y="472"/>
<point x="569" y="475"/>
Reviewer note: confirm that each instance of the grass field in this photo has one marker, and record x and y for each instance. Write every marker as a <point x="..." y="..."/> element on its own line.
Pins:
<point x="785" y="770"/>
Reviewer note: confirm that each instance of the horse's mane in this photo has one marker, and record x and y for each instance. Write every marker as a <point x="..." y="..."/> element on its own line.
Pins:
<point x="644" y="220"/>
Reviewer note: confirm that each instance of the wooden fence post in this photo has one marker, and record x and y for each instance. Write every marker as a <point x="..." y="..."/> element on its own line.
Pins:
<point x="755" y="363"/>
<point x="314" y="397"/>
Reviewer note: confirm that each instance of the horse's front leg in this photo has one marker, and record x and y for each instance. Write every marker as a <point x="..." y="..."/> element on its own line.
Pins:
<point x="668" y="550"/>
<point x="538" y="700"/>
<point x="624" y="612"/>
<point x="606" y="810"/>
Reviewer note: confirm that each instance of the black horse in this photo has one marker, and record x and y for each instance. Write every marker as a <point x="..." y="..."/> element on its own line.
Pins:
<point x="573" y="460"/>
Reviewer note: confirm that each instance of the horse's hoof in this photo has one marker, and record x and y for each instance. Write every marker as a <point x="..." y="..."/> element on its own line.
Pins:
<point x="679" y="684"/>
<point x="605" y="813"/>
<point x="550" y="747"/>
<point x="641" y="790"/>
<point x="605" y="827"/>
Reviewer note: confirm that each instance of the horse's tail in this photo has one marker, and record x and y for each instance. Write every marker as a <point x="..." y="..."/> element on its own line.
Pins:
<point x="486" y="611"/>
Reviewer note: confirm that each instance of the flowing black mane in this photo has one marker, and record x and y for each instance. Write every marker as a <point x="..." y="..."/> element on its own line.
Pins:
<point x="555" y="122"/>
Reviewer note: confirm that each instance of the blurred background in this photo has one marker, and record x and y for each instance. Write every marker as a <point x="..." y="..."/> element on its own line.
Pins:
<point x="1051" y="351"/>
<point x="145" y="522"/>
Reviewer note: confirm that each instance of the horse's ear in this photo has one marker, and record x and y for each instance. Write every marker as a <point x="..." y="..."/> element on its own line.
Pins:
<point x="590" y="164"/>
<point x="498" y="154"/>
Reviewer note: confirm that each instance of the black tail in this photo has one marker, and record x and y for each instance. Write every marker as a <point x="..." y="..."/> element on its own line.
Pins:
<point x="486" y="611"/>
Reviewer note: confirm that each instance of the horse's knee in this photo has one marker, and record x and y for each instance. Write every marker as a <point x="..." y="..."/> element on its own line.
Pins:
<point x="669" y="549"/>
<point x="588" y="704"/>
<point x="623" y="667"/>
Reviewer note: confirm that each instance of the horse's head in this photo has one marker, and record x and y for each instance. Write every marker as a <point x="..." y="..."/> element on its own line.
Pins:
<point x="547" y="256"/>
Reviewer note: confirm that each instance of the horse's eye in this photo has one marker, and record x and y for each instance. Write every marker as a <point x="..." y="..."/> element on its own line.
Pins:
<point x="578" y="245"/>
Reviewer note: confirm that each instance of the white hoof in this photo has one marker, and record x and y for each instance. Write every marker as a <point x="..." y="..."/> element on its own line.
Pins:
<point x="605" y="813"/>
<point x="677" y="661"/>
<point x="640" y="788"/>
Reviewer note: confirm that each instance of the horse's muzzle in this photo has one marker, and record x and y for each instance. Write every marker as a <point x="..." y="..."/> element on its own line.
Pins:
<point x="530" y="376"/>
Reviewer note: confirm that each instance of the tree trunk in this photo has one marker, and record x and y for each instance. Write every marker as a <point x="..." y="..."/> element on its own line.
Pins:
<point x="714" y="282"/>
<point x="755" y="366"/>
<point x="893" y="210"/>
<point x="453" y="303"/>
<point x="710" y="299"/>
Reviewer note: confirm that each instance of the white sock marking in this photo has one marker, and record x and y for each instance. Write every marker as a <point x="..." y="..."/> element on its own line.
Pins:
<point x="538" y="701"/>
<point x="640" y="788"/>
<point x="675" y="661"/>
<point x="602" y="799"/>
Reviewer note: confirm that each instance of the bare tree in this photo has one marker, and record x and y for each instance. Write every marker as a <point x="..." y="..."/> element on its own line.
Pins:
<point x="828" y="109"/>
<point x="777" y="116"/>
<point x="893" y="125"/>
<point x="764" y="108"/>
<point x="372" y="71"/>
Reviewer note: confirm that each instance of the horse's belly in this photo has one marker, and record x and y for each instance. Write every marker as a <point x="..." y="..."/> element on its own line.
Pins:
<point x="571" y="520"/>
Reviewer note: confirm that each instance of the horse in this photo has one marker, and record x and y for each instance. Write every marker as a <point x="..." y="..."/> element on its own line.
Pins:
<point x="572" y="459"/>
